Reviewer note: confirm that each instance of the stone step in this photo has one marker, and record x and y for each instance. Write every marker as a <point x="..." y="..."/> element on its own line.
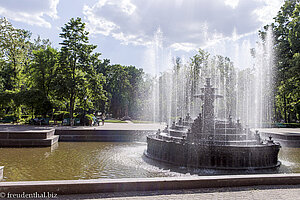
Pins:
<point x="29" y="142"/>
<point x="27" y="134"/>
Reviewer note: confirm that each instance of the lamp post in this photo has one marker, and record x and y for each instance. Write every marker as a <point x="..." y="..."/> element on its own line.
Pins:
<point x="84" y="111"/>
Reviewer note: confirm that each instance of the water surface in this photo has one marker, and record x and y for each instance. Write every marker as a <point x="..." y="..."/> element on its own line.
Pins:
<point x="96" y="160"/>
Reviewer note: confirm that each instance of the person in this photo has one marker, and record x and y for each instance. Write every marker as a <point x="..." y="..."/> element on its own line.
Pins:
<point x="103" y="119"/>
<point x="98" y="121"/>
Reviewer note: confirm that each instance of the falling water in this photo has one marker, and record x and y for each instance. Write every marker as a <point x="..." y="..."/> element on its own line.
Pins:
<point x="157" y="46"/>
<point x="263" y="77"/>
<point x="246" y="85"/>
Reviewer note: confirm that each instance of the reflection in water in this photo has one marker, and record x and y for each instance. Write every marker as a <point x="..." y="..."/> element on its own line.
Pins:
<point x="94" y="160"/>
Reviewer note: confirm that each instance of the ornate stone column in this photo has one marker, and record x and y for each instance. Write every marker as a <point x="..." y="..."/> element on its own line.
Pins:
<point x="208" y="97"/>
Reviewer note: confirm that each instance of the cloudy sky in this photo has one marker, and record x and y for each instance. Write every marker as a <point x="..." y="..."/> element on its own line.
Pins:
<point x="125" y="30"/>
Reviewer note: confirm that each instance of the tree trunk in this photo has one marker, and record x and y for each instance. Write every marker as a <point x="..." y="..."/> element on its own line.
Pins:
<point x="285" y="108"/>
<point x="71" y="105"/>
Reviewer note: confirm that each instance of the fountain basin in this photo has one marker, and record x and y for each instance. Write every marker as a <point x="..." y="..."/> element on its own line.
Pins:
<point x="240" y="157"/>
<point x="212" y="143"/>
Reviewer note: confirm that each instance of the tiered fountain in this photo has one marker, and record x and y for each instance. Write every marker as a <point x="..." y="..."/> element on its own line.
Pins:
<point x="210" y="143"/>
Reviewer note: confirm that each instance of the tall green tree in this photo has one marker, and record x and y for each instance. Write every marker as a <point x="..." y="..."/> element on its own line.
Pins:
<point x="73" y="79"/>
<point x="286" y="30"/>
<point x="118" y="86"/>
<point x="43" y="69"/>
<point x="14" y="47"/>
<point x="135" y="78"/>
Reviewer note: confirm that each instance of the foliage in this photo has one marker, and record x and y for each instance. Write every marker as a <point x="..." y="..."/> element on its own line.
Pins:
<point x="14" y="47"/>
<point x="286" y="30"/>
<point x="36" y="79"/>
<point x="76" y="77"/>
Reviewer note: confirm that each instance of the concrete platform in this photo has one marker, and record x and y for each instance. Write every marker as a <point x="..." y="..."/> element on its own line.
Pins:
<point x="287" y="137"/>
<point x="11" y="135"/>
<point x="26" y="137"/>
<point x="148" y="184"/>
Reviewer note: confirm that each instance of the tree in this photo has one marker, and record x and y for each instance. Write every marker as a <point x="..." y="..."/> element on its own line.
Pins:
<point x="286" y="30"/>
<point x="42" y="70"/>
<point x="14" y="47"/>
<point x="198" y="61"/>
<point x="118" y="86"/>
<point x="135" y="78"/>
<point x="75" y="70"/>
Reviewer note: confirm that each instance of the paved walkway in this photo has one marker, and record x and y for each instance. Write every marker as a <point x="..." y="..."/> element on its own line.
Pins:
<point x="137" y="126"/>
<point x="289" y="131"/>
<point x="107" y="126"/>
<point x="238" y="193"/>
<point x="120" y="126"/>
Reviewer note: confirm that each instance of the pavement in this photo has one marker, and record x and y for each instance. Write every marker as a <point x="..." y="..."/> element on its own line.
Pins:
<point x="289" y="131"/>
<point x="239" y="193"/>
<point x="107" y="126"/>
<point x="119" y="126"/>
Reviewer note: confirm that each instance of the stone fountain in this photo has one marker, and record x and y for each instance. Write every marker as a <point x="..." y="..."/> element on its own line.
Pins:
<point x="209" y="143"/>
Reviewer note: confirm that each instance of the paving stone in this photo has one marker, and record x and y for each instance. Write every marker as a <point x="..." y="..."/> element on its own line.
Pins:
<point x="237" y="193"/>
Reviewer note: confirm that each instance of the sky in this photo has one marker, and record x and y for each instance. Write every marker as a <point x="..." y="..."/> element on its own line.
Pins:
<point x="127" y="31"/>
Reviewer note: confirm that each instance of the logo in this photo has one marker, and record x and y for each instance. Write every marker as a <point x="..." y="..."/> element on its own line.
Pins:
<point x="2" y="195"/>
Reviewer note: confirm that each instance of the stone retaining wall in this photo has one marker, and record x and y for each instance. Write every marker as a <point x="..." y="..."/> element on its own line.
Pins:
<point x="81" y="135"/>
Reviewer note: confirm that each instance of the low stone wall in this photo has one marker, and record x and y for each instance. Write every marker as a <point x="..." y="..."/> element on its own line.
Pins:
<point x="96" y="135"/>
<point x="145" y="184"/>
<point x="27" y="134"/>
<point x="28" y="138"/>
<point x="285" y="139"/>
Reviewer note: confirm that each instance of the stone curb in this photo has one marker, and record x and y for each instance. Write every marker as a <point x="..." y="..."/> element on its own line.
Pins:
<point x="146" y="184"/>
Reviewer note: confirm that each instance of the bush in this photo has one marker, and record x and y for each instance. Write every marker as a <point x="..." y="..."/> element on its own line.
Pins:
<point x="60" y="115"/>
<point x="9" y="119"/>
<point x="89" y="116"/>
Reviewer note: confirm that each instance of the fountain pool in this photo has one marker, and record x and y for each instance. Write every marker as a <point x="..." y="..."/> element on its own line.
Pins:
<point x="97" y="160"/>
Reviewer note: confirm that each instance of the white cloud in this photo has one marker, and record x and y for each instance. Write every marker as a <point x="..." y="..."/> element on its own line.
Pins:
<point x="98" y="24"/>
<point x="30" y="11"/>
<point x="232" y="3"/>
<point x="185" y="24"/>
<point x="269" y="11"/>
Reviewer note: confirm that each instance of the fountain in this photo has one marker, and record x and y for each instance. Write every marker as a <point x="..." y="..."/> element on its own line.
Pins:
<point x="210" y="143"/>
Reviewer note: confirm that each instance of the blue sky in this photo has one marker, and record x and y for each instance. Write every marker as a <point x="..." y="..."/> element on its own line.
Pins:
<point x="124" y="30"/>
